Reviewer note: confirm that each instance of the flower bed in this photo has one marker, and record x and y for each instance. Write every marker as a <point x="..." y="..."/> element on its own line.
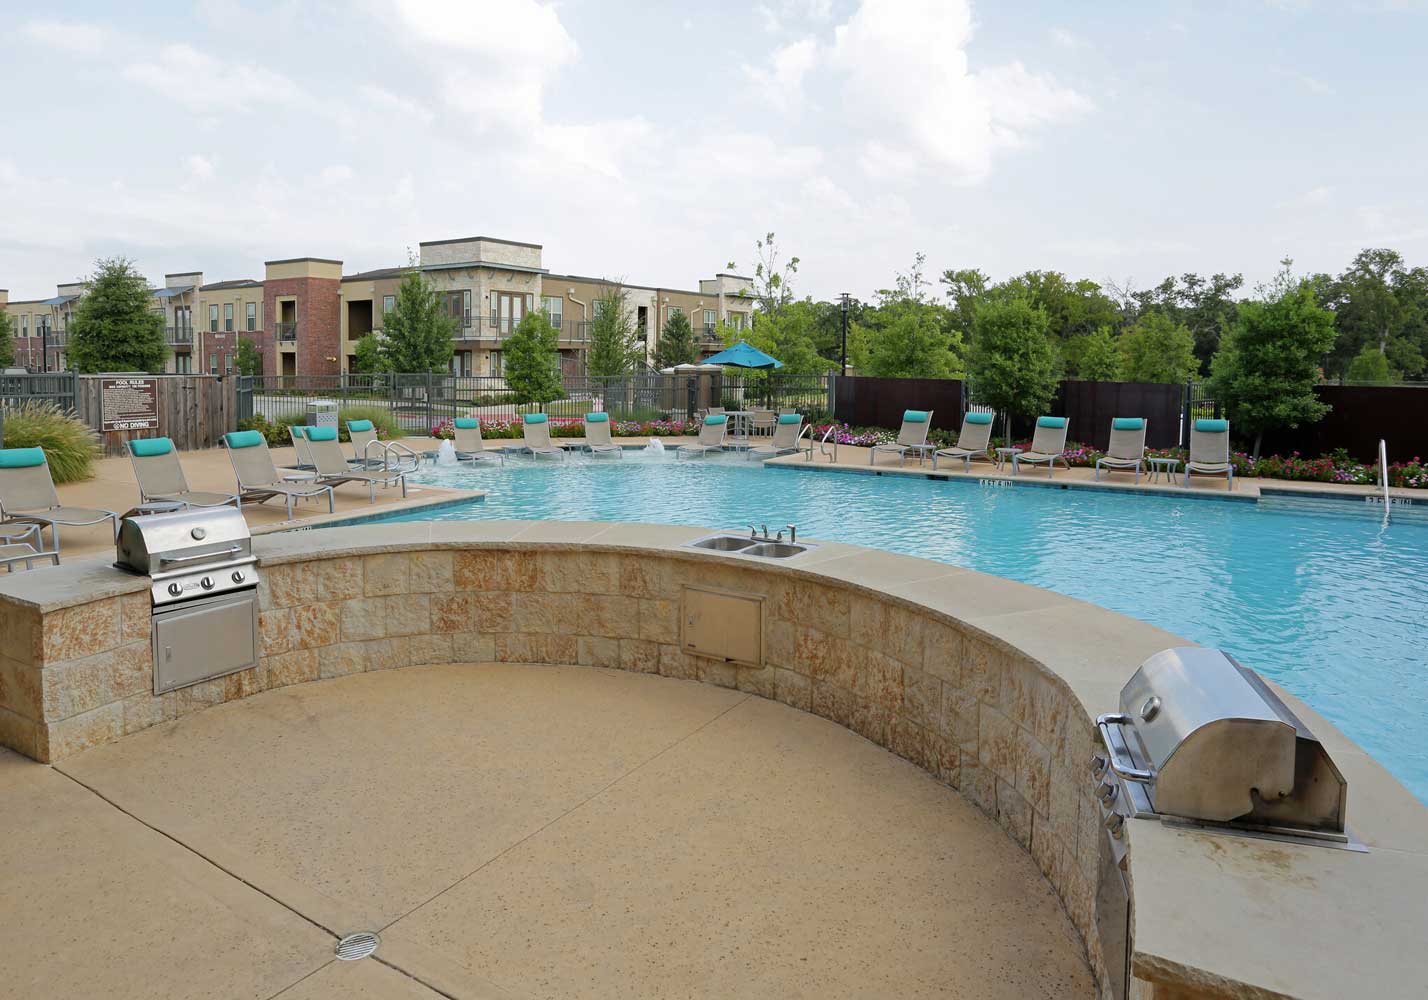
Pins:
<point x="496" y="428"/>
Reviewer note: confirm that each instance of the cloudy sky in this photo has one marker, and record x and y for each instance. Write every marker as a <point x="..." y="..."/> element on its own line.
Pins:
<point x="655" y="141"/>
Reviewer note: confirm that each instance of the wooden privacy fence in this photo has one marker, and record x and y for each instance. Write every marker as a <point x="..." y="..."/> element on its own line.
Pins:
<point x="879" y="402"/>
<point x="194" y="410"/>
<point x="1091" y="406"/>
<point x="1359" y="416"/>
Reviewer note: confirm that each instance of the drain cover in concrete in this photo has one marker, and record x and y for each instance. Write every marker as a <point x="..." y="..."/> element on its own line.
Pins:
<point x="358" y="945"/>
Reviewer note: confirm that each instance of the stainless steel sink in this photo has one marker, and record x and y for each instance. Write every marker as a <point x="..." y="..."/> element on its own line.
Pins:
<point x="723" y="543"/>
<point x="775" y="550"/>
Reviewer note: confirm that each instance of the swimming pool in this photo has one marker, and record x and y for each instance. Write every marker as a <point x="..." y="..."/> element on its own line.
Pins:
<point x="1330" y="605"/>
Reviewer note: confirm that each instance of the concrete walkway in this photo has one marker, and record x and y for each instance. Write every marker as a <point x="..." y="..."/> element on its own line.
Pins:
<point x="513" y="831"/>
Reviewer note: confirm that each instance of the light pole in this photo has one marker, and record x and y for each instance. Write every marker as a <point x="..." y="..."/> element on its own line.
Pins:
<point x="844" y="298"/>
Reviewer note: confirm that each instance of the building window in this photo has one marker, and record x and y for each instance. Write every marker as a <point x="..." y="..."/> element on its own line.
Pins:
<point x="554" y="307"/>
<point x="213" y="319"/>
<point x="228" y="364"/>
<point x="736" y="320"/>
<point x="389" y="302"/>
<point x="675" y="311"/>
<point x="183" y="364"/>
<point x="213" y="364"/>
<point x="709" y="320"/>
<point x="598" y="308"/>
<point x="495" y="362"/>
<point x="25" y="325"/>
<point x="252" y="316"/>
<point x="228" y="316"/>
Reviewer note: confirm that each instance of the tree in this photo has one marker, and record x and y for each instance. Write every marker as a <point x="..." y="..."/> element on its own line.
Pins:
<point x="1011" y="364"/>
<point x="965" y="289"/>
<point x="369" y="358"/>
<point x="907" y="335"/>
<point x="1268" y="363"/>
<point x="1100" y="357"/>
<point x="7" y="341"/>
<point x="532" y="360"/>
<point x="1379" y="301"/>
<point x="1370" y="365"/>
<point x="246" y="359"/>
<point x="613" y="349"/>
<point x="1157" y="349"/>
<point x="417" y="333"/>
<point x="773" y="282"/>
<point x="115" y="328"/>
<point x="676" y="342"/>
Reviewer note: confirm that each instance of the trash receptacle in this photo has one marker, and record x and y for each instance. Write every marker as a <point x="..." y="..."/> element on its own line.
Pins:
<point x="322" y="413"/>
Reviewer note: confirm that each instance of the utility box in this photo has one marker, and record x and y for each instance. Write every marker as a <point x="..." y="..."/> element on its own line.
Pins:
<point x="322" y="413"/>
<point x="723" y="626"/>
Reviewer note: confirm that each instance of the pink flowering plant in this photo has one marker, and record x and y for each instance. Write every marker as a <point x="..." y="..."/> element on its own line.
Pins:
<point x="497" y="428"/>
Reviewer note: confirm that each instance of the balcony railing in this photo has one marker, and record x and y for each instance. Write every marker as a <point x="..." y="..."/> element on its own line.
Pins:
<point x="177" y="336"/>
<point x="286" y="332"/>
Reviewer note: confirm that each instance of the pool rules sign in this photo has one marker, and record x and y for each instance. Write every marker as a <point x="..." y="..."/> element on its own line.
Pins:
<point x="129" y="404"/>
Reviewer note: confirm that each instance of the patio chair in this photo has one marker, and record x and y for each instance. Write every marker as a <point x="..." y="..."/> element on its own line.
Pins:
<point x="762" y="423"/>
<point x="784" y="440"/>
<point x="1047" y="445"/>
<point x="468" y="443"/>
<point x="974" y="439"/>
<point x="912" y="436"/>
<point x="1127" y="447"/>
<point x="259" y="480"/>
<point x="27" y="495"/>
<point x="160" y="476"/>
<point x="304" y="460"/>
<point x="535" y="433"/>
<point x="597" y="436"/>
<point x="1210" y="451"/>
<point x="23" y="543"/>
<point x="365" y="444"/>
<point x="711" y="437"/>
<point x="333" y="470"/>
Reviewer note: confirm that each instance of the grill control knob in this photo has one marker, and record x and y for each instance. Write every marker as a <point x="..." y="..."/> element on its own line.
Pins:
<point x="1108" y="792"/>
<point x="206" y="583"/>
<point x="237" y="576"/>
<point x="1098" y="766"/>
<point x="1116" y="825"/>
<point x="175" y="589"/>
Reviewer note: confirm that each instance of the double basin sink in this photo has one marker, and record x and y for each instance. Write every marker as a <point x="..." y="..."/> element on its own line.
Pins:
<point x="746" y="546"/>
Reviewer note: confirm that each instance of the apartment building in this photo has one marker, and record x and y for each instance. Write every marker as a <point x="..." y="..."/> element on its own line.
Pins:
<point x="305" y="317"/>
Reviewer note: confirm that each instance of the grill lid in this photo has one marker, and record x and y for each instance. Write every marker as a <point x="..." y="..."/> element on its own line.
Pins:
<point x="1209" y="740"/>
<point x="183" y="539"/>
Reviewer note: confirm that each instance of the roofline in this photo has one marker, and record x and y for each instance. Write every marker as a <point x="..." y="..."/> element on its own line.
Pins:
<point x="230" y="283"/>
<point x="492" y="265"/>
<point x="627" y="284"/>
<point x="484" y="239"/>
<point x="731" y="274"/>
<point x="299" y="260"/>
<point x="179" y="274"/>
<point x="367" y="275"/>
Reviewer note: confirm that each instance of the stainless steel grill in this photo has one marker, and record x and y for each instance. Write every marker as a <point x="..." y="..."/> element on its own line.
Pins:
<point x="204" y="589"/>
<point x="1202" y="740"/>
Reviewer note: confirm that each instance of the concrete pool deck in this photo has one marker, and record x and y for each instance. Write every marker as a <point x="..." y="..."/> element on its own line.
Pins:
<point x="514" y="831"/>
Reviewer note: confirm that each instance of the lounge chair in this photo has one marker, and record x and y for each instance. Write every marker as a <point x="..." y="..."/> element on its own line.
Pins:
<point x="1210" y="451"/>
<point x="468" y="443"/>
<point x="597" y="436"/>
<point x="974" y="439"/>
<point x="27" y="495"/>
<point x="711" y="437"/>
<point x="259" y="480"/>
<point x="365" y="444"/>
<point x="1127" y="447"/>
<point x="304" y="460"/>
<point x="160" y="476"/>
<point x="784" y="440"/>
<point x="912" y="436"/>
<point x="1047" y="445"/>
<point x="535" y="432"/>
<point x="333" y="470"/>
<point x="23" y="543"/>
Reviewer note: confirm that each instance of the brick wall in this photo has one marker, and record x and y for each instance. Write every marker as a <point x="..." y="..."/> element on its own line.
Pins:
<point x="319" y="324"/>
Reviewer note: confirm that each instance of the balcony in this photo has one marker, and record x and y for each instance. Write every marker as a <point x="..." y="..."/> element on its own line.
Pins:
<point x="178" y="336"/>
<point x="286" y="332"/>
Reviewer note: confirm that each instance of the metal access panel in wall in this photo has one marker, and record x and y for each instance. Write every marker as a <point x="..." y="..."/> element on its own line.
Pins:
<point x="723" y="625"/>
<point x="207" y="638"/>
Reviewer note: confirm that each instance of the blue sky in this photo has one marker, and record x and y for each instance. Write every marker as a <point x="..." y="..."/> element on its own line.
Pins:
<point x="656" y="142"/>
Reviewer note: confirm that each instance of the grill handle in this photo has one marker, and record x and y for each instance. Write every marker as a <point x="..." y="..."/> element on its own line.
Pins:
<point x="232" y="550"/>
<point x="1123" y="767"/>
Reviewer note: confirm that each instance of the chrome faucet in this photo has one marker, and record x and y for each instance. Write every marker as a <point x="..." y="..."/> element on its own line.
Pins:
<point x="753" y="531"/>
<point x="792" y="532"/>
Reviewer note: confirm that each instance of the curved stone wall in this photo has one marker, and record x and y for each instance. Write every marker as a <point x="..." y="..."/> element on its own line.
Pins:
<point x="986" y="684"/>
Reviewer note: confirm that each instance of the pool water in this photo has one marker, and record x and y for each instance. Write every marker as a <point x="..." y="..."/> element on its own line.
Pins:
<point x="1334" y="606"/>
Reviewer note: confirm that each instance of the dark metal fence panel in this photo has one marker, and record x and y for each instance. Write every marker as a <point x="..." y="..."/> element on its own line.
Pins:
<point x="54" y="387"/>
<point x="1091" y="406"/>
<point x="879" y="402"/>
<point x="1359" y="417"/>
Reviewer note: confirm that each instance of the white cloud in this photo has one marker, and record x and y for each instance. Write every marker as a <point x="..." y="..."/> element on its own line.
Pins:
<point x="77" y="37"/>
<point x="908" y="79"/>
<point x="780" y="84"/>
<point x="199" y="167"/>
<point x="338" y="173"/>
<point x="384" y="100"/>
<point x="1068" y="39"/>
<point x="208" y="83"/>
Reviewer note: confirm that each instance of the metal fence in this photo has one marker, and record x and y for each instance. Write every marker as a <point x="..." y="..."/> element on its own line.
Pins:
<point x="54" y="387"/>
<point x="417" y="403"/>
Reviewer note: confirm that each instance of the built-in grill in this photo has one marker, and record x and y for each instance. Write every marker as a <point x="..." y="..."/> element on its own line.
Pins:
<point x="204" y="590"/>
<point x="1202" y="740"/>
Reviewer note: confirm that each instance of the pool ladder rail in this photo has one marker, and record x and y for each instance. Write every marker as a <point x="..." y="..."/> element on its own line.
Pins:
<point x="823" y="448"/>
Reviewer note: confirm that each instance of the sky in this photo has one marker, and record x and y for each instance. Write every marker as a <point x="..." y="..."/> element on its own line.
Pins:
<point x="655" y="142"/>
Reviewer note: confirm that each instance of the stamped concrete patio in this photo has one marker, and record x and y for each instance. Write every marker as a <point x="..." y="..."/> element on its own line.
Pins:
<point x="514" y="831"/>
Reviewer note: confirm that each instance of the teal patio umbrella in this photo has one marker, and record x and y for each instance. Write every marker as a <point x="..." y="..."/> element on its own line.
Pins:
<point x="744" y="355"/>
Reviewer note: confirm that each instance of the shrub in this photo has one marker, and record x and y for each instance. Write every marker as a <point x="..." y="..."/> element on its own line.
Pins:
<point x="383" y="422"/>
<point x="274" y="432"/>
<point x="70" y="446"/>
